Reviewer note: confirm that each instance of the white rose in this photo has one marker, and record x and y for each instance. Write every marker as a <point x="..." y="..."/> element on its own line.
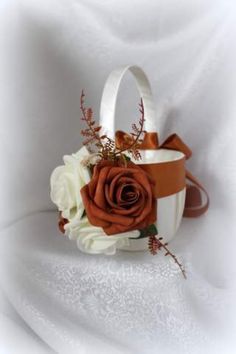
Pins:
<point x="93" y="240"/>
<point x="66" y="182"/>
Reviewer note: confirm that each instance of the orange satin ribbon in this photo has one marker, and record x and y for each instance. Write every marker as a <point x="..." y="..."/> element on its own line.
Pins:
<point x="170" y="176"/>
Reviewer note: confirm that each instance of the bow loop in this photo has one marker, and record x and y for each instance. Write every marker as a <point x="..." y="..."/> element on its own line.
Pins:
<point x="174" y="142"/>
<point x="170" y="177"/>
<point x="124" y="140"/>
<point x="151" y="142"/>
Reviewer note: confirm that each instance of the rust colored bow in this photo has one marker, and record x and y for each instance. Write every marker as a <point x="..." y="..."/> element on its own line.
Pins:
<point x="151" y="142"/>
<point x="193" y="204"/>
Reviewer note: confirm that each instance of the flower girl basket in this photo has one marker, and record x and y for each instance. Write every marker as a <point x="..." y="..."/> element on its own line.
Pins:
<point x="165" y="164"/>
<point x="123" y="190"/>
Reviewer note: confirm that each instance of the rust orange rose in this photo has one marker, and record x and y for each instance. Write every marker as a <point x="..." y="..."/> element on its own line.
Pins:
<point x="119" y="198"/>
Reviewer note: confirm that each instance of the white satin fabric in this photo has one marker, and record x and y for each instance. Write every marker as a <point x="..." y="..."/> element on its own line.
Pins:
<point x="110" y="95"/>
<point x="68" y="302"/>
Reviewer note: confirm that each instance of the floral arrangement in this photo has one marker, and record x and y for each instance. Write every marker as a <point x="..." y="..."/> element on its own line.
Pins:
<point x="104" y="198"/>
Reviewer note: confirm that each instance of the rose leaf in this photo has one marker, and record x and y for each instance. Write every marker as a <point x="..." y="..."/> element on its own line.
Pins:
<point x="84" y="214"/>
<point x="151" y="230"/>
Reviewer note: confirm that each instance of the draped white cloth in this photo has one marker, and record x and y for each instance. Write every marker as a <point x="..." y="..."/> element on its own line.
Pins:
<point x="57" y="299"/>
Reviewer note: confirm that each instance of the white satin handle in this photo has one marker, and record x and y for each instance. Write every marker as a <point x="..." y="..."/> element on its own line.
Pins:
<point x="109" y="98"/>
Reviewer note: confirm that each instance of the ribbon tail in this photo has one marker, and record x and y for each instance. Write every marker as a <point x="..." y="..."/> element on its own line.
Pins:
<point x="193" y="204"/>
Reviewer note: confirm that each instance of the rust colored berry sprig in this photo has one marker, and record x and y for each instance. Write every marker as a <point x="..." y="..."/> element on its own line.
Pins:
<point x="136" y="136"/>
<point x="156" y="244"/>
<point x="91" y="133"/>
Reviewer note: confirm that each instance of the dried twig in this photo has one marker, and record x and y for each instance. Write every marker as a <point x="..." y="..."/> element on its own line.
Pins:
<point x="92" y="132"/>
<point x="136" y="136"/>
<point x="155" y="244"/>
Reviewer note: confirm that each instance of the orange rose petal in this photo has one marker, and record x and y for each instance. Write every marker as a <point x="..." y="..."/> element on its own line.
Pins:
<point x="99" y="195"/>
<point x="106" y="188"/>
<point x="116" y="170"/>
<point x="119" y="181"/>
<point x="113" y="183"/>
<point x="98" y="216"/>
<point x="133" y="196"/>
<point x="109" y="201"/>
<point x="120" y="178"/>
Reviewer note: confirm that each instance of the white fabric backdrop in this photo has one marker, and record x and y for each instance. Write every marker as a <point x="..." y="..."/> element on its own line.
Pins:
<point x="76" y="303"/>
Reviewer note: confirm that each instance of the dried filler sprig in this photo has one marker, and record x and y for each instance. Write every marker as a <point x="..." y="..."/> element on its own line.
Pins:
<point x="155" y="244"/>
<point x="106" y="146"/>
<point x="91" y="133"/>
<point x="136" y="136"/>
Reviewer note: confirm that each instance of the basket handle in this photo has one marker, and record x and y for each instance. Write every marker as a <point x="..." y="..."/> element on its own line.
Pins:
<point x="110" y="93"/>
